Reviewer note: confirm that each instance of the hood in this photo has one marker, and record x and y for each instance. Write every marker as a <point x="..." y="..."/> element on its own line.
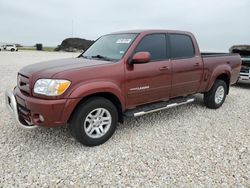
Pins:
<point x="49" y="68"/>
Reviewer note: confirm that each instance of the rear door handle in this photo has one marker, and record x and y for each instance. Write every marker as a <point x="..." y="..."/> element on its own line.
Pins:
<point x="197" y="64"/>
<point x="164" y="68"/>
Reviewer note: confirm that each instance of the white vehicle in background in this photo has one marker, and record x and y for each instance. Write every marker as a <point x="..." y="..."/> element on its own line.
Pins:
<point x="1" y="48"/>
<point x="10" y="47"/>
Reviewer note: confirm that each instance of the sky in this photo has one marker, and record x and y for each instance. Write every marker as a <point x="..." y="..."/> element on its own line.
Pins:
<point x="217" y="24"/>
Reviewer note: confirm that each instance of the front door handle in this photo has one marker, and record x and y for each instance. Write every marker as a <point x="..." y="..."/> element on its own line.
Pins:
<point x="164" y="68"/>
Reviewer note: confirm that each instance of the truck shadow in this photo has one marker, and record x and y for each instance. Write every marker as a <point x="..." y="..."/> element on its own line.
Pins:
<point x="242" y="85"/>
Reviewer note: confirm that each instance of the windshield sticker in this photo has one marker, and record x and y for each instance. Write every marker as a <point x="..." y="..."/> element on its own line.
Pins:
<point x="121" y="52"/>
<point x="123" y="41"/>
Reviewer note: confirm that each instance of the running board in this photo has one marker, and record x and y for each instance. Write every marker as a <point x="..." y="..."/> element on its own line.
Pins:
<point x="158" y="106"/>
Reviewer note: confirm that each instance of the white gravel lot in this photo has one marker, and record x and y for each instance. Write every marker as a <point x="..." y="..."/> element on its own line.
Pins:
<point x="186" y="146"/>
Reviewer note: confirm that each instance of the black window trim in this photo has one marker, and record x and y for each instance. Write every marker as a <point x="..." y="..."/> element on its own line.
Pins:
<point x="170" y="47"/>
<point x="167" y="52"/>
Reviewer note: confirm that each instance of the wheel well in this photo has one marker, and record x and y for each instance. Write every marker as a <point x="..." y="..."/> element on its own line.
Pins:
<point x="226" y="79"/>
<point x="108" y="96"/>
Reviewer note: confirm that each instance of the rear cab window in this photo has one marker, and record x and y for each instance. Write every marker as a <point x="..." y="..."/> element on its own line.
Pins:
<point x="155" y="44"/>
<point x="181" y="46"/>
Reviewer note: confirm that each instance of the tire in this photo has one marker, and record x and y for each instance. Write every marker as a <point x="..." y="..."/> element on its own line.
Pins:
<point x="85" y="126"/>
<point x="17" y="50"/>
<point x="12" y="49"/>
<point x="216" y="96"/>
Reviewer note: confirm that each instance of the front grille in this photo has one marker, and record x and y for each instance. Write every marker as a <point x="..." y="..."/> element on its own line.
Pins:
<point x="247" y="62"/>
<point x="24" y="113"/>
<point x="244" y="70"/>
<point x="23" y="84"/>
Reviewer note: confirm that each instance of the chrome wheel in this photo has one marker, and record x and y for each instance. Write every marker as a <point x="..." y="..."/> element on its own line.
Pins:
<point x="219" y="95"/>
<point x="97" y="123"/>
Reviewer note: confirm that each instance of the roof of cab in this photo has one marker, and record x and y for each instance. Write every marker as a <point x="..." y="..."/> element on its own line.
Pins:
<point x="147" y="31"/>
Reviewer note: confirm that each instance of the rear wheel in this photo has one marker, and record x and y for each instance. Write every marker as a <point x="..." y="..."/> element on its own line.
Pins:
<point x="94" y="121"/>
<point x="216" y="96"/>
<point x="12" y="49"/>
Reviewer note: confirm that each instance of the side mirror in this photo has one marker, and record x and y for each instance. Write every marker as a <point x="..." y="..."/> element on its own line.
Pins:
<point x="140" y="57"/>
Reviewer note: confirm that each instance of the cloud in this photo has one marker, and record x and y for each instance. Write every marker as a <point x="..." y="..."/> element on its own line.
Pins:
<point x="216" y="24"/>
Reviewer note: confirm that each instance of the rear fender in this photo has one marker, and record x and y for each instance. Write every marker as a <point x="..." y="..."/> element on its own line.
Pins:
<point x="219" y="70"/>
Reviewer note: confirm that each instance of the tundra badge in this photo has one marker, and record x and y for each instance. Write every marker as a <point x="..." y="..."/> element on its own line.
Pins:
<point x="139" y="88"/>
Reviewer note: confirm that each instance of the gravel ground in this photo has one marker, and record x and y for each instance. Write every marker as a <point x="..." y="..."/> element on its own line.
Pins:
<point x="184" y="146"/>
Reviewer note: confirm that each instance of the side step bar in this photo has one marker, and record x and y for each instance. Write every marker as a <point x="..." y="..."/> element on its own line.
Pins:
<point x="158" y="106"/>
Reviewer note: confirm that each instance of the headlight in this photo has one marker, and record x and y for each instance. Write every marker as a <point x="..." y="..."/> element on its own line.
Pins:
<point x="51" y="87"/>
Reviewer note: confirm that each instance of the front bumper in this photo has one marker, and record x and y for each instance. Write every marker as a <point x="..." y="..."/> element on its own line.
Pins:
<point x="31" y="112"/>
<point x="244" y="76"/>
<point x="11" y="105"/>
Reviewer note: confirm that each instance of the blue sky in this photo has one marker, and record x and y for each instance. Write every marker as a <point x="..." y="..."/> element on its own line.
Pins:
<point x="216" y="24"/>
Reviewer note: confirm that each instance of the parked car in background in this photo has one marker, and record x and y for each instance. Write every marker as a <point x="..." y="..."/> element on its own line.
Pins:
<point x="129" y="73"/>
<point x="10" y="47"/>
<point x="245" y="69"/>
<point x="244" y="51"/>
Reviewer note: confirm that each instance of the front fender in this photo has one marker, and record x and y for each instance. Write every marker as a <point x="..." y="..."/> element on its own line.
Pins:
<point x="219" y="70"/>
<point x="87" y="89"/>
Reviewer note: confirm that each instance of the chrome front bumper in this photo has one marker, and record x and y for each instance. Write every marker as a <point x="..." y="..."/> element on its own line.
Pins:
<point x="11" y="104"/>
<point x="245" y="76"/>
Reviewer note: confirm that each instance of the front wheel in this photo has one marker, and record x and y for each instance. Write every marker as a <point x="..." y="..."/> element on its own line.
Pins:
<point x="216" y="96"/>
<point x="94" y="121"/>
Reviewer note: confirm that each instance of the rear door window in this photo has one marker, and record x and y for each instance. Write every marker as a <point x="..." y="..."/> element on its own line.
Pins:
<point x="181" y="46"/>
<point x="155" y="44"/>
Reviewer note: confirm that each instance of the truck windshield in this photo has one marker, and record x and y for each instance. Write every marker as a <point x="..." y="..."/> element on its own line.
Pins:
<point x="110" y="47"/>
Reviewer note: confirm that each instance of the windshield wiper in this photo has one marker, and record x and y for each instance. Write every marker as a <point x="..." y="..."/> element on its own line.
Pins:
<point x="102" y="57"/>
<point x="86" y="57"/>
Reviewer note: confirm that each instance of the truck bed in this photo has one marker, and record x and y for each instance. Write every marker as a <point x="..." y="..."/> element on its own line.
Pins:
<point x="213" y="60"/>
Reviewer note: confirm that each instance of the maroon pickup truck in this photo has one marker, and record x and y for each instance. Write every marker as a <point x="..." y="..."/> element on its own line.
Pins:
<point x="129" y="73"/>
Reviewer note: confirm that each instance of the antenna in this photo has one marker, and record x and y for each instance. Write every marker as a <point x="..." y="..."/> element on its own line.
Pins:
<point x="72" y="28"/>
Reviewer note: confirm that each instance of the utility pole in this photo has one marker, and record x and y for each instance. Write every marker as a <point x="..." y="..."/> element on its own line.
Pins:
<point x="72" y="32"/>
<point x="72" y="28"/>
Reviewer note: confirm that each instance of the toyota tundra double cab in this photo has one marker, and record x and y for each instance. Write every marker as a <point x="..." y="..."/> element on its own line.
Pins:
<point x="129" y="73"/>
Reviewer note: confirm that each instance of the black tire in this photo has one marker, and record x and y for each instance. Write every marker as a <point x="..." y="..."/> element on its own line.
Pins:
<point x="76" y="123"/>
<point x="209" y="97"/>
<point x="12" y="49"/>
<point x="17" y="50"/>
